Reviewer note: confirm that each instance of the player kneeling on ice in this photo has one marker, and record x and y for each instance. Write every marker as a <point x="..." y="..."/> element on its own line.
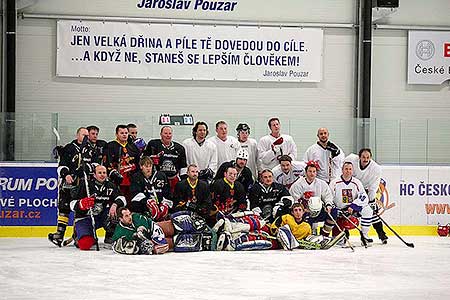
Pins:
<point x="352" y="202"/>
<point x="138" y="234"/>
<point x="95" y="201"/>
<point x="316" y="197"/>
<point x="292" y="231"/>
<point x="241" y="231"/>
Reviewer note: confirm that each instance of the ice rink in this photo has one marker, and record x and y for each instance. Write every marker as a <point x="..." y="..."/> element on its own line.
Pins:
<point x="32" y="268"/>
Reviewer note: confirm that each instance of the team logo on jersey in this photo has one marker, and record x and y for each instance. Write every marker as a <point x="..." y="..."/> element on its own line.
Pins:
<point x="382" y="197"/>
<point x="347" y="195"/>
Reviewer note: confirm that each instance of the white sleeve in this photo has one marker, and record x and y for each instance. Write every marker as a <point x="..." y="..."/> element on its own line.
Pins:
<point x="333" y="191"/>
<point x="374" y="181"/>
<point x="327" y="196"/>
<point x="265" y="155"/>
<point x="295" y="191"/>
<point x="213" y="158"/>
<point x="336" y="164"/>
<point x="292" y="149"/>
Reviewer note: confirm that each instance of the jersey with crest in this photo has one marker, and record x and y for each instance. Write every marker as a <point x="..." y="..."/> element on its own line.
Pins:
<point x="167" y="159"/>
<point x="346" y="192"/>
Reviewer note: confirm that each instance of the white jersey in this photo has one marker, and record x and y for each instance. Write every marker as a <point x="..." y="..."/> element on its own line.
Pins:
<point x="369" y="176"/>
<point x="226" y="150"/>
<point x="204" y="156"/>
<point x="302" y="189"/>
<point x="269" y="157"/>
<point x="253" y="162"/>
<point x="329" y="168"/>
<point x="346" y="192"/>
<point x="287" y="179"/>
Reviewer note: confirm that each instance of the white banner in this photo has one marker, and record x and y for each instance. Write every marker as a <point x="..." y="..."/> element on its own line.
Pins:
<point x="417" y="195"/>
<point x="428" y="57"/>
<point x="200" y="52"/>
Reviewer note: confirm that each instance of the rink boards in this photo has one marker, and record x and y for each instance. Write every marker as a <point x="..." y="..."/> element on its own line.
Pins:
<point x="415" y="198"/>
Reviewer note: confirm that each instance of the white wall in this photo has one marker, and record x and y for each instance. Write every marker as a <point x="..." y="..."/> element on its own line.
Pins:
<point x="303" y="107"/>
<point x="414" y="139"/>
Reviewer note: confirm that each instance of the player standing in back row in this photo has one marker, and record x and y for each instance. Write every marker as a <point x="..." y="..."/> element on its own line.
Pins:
<point x="274" y="145"/>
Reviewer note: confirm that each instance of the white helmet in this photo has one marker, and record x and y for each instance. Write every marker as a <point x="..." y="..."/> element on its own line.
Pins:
<point x="242" y="154"/>
<point x="315" y="206"/>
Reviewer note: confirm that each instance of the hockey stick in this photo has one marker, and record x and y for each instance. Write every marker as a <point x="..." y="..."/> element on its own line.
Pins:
<point x="410" y="245"/>
<point x="363" y="239"/>
<point x="340" y="229"/>
<point x="91" y="213"/>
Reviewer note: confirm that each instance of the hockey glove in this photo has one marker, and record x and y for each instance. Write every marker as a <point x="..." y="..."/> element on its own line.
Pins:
<point x="206" y="174"/>
<point x="163" y="211"/>
<point x="116" y="177"/>
<point x="278" y="141"/>
<point x="58" y="152"/>
<point x="86" y="203"/>
<point x="333" y="149"/>
<point x="153" y="208"/>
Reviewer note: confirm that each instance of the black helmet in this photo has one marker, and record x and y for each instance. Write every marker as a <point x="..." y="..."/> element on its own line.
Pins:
<point x="243" y="127"/>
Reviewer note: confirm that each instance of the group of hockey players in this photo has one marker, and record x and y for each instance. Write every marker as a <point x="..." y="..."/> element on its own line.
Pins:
<point x="217" y="193"/>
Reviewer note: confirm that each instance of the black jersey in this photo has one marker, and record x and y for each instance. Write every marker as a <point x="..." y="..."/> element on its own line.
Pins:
<point x="245" y="176"/>
<point x="73" y="158"/>
<point x="156" y="187"/>
<point x="96" y="151"/>
<point x="266" y="197"/>
<point x="168" y="159"/>
<point x="105" y="194"/>
<point x="228" y="198"/>
<point x="124" y="158"/>
<point x="195" y="197"/>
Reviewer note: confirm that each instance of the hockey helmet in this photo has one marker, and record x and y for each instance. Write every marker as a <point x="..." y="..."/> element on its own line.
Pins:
<point x="315" y="206"/>
<point x="443" y="230"/>
<point x="242" y="154"/>
<point x="243" y="127"/>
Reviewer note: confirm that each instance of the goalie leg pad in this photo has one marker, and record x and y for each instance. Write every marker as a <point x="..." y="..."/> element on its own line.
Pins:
<point x="248" y="242"/>
<point x="188" y="222"/>
<point x="187" y="242"/>
<point x="286" y="238"/>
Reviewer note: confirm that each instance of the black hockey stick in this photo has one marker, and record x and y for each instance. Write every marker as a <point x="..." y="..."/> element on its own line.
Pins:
<point x="340" y="229"/>
<point x="91" y="213"/>
<point x="363" y="239"/>
<point x="410" y="245"/>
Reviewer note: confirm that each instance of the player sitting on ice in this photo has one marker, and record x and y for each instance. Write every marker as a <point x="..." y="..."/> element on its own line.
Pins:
<point x="292" y="231"/>
<point x="241" y="231"/>
<point x="138" y="234"/>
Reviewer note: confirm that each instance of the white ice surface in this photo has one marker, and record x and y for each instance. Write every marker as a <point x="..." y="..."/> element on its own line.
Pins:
<point x="35" y="269"/>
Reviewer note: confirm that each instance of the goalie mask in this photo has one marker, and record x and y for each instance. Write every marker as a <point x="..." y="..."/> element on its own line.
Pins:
<point x="315" y="206"/>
